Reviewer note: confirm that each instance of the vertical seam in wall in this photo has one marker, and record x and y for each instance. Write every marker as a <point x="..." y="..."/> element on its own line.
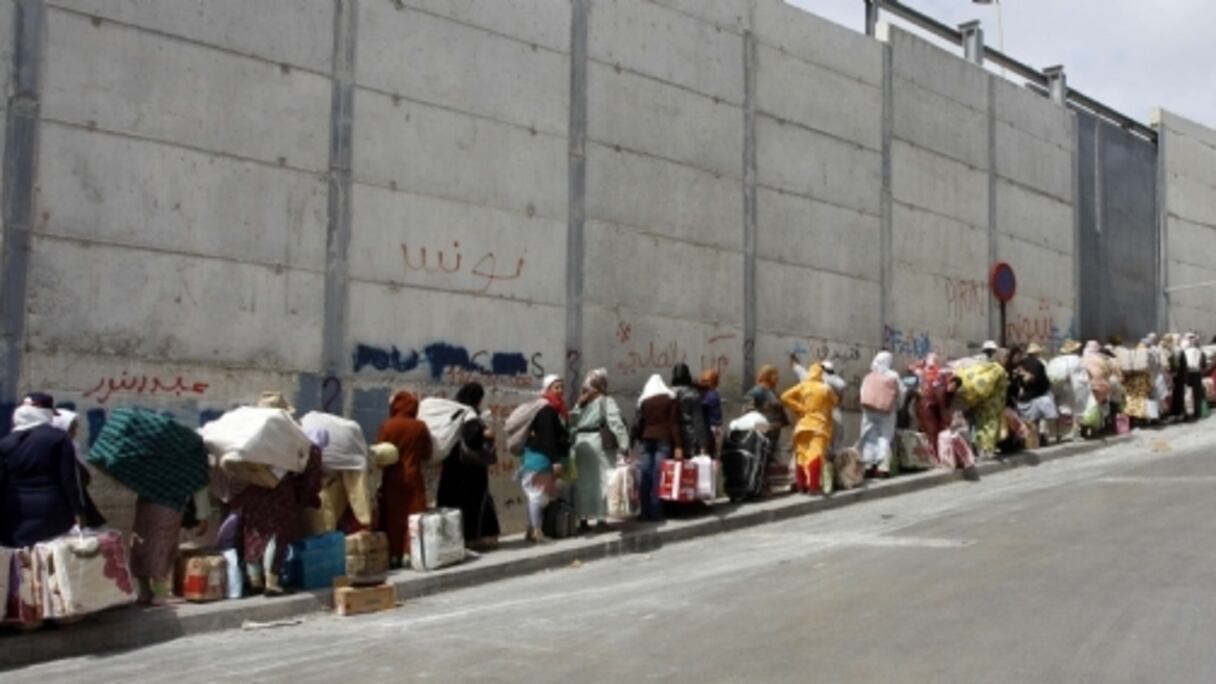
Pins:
<point x="1099" y="211"/>
<point x="1163" y="223"/>
<point x="886" y="236"/>
<point x="994" y="330"/>
<point x="1077" y="264"/>
<point x="577" y="190"/>
<point x="338" y="227"/>
<point x="749" y="208"/>
<point x="20" y="169"/>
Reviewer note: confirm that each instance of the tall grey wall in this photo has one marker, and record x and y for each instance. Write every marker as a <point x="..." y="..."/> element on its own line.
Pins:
<point x="340" y="198"/>
<point x="1187" y="202"/>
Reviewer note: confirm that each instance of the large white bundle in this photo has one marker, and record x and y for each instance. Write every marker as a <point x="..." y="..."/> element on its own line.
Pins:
<point x="86" y="572"/>
<point x="444" y="418"/>
<point x="752" y="420"/>
<point x="265" y="436"/>
<point x="1061" y="368"/>
<point x="347" y="448"/>
<point x="436" y="539"/>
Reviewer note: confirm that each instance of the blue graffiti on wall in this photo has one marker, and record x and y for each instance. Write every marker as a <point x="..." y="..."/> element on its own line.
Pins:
<point x="906" y="344"/>
<point x="439" y="357"/>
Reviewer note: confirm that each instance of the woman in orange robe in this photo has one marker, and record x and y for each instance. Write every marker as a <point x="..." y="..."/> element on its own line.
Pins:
<point x="403" y="491"/>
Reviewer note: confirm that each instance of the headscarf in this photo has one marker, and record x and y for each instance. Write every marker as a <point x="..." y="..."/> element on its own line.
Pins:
<point x="882" y="362"/>
<point x="64" y="419"/>
<point x="404" y="405"/>
<point x="597" y="380"/>
<point x="555" y="400"/>
<point x="1092" y="347"/>
<point x="655" y="387"/>
<point x="681" y="376"/>
<point x="471" y="395"/>
<point x="27" y="416"/>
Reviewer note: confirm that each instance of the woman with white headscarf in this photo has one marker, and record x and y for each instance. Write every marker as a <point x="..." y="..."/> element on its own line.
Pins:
<point x="881" y="396"/>
<point x="657" y="433"/>
<point x="600" y="436"/>
<point x="41" y="492"/>
<point x="69" y="422"/>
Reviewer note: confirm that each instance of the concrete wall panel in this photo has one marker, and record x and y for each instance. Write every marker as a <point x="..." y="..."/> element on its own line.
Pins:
<point x="1196" y="161"/>
<point x="819" y="166"/>
<point x="799" y="231"/>
<point x="646" y="116"/>
<point x="818" y="41"/>
<point x="1042" y="273"/>
<point x="115" y="189"/>
<point x="187" y="94"/>
<point x="938" y="123"/>
<point x="942" y="313"/>
<point x="934" y="243"/>
<point x="729" y="15"/>
<point x="170" y="307"/>
<point x="1032" y="113"/>
<point x="632" y="345"/>
<point x="798" y="91"/>
<point x="1185" y="128"/>
<point x="410" y="320"/>
<point x="1034" y="217"/>
<point x="665" y="198"/>
<point x="661" y="277"/>
<point x="1190" y="242"/>
<point x="543" y="22"/>
<point x="664" y="44"/>
<point x="799" y="300"/>
<point x="931" y="181"/>
<point x="403" y="238"/>
<point x="1190" y="199"/>
<point x="1029" y="160"/>
<point x="443" y="153"/>
<point x="440" y="61"/>
<point x="283" y="31"/>
<point x="932" y="68"/>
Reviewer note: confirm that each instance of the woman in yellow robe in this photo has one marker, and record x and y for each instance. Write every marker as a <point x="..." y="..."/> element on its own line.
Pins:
<point x="811" y="401"/>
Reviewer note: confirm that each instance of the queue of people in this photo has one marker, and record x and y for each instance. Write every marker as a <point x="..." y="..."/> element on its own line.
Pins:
<point x="582" y="461"/>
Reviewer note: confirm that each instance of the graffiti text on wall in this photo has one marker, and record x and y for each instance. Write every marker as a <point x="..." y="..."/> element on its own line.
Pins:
<point x="143" y="385"/>
<point x="965" y="297"/>
<point x="451" y="362"/>
<point x="901" y="343"/>
<point x="484" y="272"/>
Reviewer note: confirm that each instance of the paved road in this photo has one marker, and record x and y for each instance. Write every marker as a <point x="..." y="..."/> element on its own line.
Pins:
<point x="1100" y="568"/>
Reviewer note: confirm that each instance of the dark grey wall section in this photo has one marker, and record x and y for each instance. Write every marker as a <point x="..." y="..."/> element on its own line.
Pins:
<point x="20" y="169"/>
<point x="1119" y="233"/>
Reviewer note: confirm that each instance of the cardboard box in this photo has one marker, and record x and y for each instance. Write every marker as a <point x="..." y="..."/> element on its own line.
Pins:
<point x="350" y="600"/>
<point x="362" y="543"/>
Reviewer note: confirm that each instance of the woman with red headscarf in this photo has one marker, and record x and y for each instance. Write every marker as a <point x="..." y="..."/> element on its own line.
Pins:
<point x="403" y="491"/>
<point x="547" y="446"/>
<point x="933" y="408"/>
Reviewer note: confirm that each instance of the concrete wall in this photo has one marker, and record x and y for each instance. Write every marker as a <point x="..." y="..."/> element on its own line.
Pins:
<point x="338" y="199"/>
<point x="981" y="172"/>
<point x="1187" y="201"/>
<point x="819" y="142"/>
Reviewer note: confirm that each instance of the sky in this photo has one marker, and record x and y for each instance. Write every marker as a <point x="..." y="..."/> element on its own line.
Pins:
<point x="1132" y="55"/>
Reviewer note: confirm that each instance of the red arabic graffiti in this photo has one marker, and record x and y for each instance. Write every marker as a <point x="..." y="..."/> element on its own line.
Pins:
<point x="486" y="267"/>
<point x="142" y="384"/>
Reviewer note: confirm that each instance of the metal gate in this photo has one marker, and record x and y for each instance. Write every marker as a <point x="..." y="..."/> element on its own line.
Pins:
<point x="1118" y="240"/>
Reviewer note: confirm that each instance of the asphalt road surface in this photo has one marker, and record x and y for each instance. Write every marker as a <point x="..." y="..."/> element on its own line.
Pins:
<point x="1098" y="568"/>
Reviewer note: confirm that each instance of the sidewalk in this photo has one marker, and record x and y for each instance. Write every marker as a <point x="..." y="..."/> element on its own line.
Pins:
<point x="141" y="626"/>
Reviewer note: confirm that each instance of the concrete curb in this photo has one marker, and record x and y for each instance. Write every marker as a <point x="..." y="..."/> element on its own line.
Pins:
<point x="135" y="627"/>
